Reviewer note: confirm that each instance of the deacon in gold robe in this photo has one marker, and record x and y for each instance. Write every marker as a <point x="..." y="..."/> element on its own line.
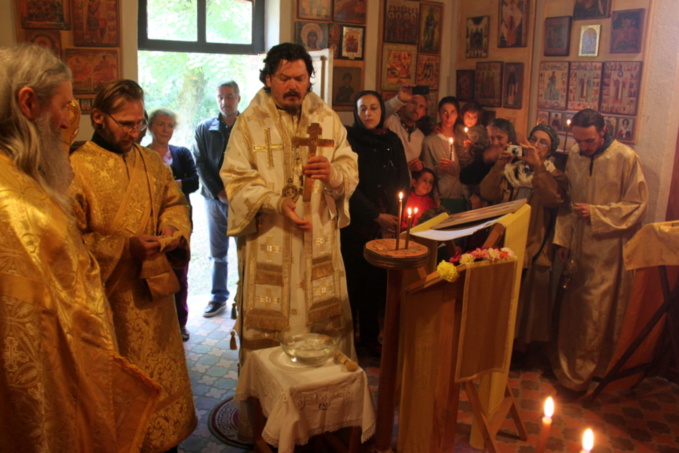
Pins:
<point x="608" y="201"/>
<point x="63" y="385"/>
<point x="135" y="221"/>
<point x="289" y="172"/>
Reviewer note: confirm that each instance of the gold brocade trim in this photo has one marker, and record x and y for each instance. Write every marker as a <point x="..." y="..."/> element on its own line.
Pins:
<point x="270" y="275"/>
<point x="322" y="267"/>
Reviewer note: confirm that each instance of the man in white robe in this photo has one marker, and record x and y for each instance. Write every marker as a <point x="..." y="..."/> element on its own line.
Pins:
<point x="608" y="195"/>
<point x="289" y="173"/>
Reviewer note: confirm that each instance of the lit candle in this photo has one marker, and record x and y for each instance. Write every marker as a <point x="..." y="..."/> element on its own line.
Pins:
<point x="450" y="140"/>
<point x="568" y="126"/>
<point x="398" y="225"/>
<point x="466" y="135"/>
<point x="587" y="441"/>
<point x="409" y="223"/>
<point x="546" y="425"/>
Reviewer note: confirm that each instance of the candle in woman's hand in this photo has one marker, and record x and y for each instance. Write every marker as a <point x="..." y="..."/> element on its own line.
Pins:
<point x="398" y="225"/>
<point x="587" y="441"/>
<point x="450" y="140"/>
<point x="546" y="425"/>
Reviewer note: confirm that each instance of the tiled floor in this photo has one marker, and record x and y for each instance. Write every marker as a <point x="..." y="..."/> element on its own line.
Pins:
<point x="643" y="420"/>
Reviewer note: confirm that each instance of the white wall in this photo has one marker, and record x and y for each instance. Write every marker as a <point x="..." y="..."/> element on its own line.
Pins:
<point x="659" y="114"/>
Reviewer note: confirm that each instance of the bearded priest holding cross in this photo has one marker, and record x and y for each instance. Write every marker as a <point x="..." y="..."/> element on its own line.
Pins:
<point x="289" y="173"/>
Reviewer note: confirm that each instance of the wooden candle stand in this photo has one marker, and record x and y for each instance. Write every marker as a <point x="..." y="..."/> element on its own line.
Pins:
<point x="382" y="253"/>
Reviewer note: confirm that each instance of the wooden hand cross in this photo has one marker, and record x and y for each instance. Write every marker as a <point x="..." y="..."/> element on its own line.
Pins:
<point x="313" y="141"/>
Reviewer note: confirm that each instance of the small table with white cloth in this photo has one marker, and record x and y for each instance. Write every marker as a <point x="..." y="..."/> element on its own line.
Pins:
<point x="302" y="401"/>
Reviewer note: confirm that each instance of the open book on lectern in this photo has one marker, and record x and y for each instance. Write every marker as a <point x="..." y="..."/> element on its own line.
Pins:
<point x="467" y="223"/>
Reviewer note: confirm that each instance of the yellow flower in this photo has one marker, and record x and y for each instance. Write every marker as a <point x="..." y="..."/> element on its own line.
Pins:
<point x="467" y="258"/>
<point x="447" y="271"/>
<point x="493" y="254"/>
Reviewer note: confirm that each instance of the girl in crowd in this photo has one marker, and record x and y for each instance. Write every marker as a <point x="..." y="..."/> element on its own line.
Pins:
<point x="421" y="196"/>
<point x="439" y="151"/>
<point x="161" y="127"/>
<point x="532" y="176"/>
<point x="383" y="173"/>
<point x="475" y="138"/>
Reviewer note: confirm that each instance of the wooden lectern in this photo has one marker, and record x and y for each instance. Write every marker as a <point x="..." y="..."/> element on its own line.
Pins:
<point x="453" y="334"/>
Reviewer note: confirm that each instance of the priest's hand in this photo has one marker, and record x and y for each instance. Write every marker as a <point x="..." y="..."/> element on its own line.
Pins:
<point x="289" y="208"/>
<point x="387" y="223"/>
<point x="143" y="246"/>
<point x="318" y="167"/>
<point x="582" y="210"/>
<point x="168" y="232"/>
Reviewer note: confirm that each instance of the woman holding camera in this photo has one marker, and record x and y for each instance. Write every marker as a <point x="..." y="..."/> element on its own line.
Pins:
<point x="527" y="172"/>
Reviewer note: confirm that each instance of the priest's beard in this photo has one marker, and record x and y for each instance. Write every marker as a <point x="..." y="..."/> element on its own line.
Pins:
<point x="55" y="167"/>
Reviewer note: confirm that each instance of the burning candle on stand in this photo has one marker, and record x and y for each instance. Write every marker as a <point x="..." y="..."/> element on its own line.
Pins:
<point x="568" y="126"/>
<point x="450" y="140"/>
<point x="546" y="425"/>
<point x="400" y="214"/>
<point x="409" y="222"/>
<point x="587" y="441"/>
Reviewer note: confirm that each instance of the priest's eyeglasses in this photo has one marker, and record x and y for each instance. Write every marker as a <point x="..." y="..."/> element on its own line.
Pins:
<point x="544" y="143"/>
<point x="130" y="126"/>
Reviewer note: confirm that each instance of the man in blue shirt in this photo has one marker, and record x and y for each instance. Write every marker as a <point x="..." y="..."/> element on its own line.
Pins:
<point x="209" y="146"/>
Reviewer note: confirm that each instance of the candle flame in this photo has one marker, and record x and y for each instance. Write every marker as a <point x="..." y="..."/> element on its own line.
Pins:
<point x="568" y="122"/>
<point x="549" y="407"/>
<point x="451" y="141"/>
<point x="588" y="440"/>
<point x="400" y="196"/>
<point x="466" y="129"/>
<point x="415" y="211"/>
<point x="410" y="212"/>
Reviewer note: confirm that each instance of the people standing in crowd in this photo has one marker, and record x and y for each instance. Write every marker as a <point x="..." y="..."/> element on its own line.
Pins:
<point x="475" y="136"/>
<point x="440" y="151"/>
<point x="421" y="197"/>
<point x="534" y="177"/>
<point x="289" y="173"/>
<point x="64" y="385"/>
<point x="211" y="139"/>
<point x="402" y="114"/>
<point x="135" y="221"/>
<point x="383" y="173"/>
<point x="501" y="134"/>
<point x="608" y="196"/>
<point x="162" y="123"/>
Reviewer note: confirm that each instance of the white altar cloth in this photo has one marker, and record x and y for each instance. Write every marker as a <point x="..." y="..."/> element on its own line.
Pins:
<point x="303" y="401"/>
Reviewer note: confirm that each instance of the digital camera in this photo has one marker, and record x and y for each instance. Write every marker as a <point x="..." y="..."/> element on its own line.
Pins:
<point x="515" y="150"/>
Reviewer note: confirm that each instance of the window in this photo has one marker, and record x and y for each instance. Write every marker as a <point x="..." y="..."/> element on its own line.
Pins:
<point x="206" y="26"/>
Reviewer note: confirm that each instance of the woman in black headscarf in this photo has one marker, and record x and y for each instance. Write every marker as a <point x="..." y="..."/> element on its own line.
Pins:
<point x="383" y="173"/>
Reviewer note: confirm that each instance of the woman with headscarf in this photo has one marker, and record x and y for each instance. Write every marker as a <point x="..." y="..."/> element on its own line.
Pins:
<point x="532" y="176"/>
<point x="383" y="173"/>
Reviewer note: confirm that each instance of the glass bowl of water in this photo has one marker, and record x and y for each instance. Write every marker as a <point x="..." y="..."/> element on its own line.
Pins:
<point x="313" y="347"/>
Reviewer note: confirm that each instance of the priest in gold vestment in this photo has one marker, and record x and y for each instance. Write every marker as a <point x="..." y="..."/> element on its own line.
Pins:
<point x="289" y="172"/>
<point x="135" y="221"/>
<point x="608" y="195"/>
<point x="63" y="385"/>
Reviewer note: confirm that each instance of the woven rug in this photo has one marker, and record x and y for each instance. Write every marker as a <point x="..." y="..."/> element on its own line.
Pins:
<point x="223" y="423"/>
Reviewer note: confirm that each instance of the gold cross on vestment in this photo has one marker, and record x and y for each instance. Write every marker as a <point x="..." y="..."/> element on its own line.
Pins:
<point x="268" y="299"/>
<point x="313" y="141"/>
<point x="268" y="147"/>
<point x="321" y="292"/>
<point x="269" y="248"/>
